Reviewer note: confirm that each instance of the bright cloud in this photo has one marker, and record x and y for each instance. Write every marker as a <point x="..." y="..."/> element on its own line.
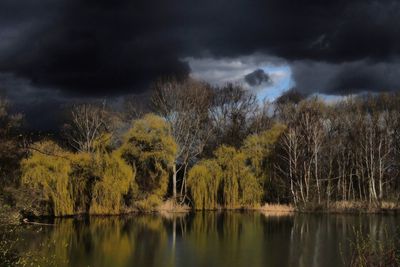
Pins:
<point x="222" y="70"/>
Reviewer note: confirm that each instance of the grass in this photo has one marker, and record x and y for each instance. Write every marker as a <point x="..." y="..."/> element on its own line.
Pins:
<point x="366" y="251"/>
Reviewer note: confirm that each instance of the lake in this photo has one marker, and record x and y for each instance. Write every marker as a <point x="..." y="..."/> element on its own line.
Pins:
<point x="233" y="239"/>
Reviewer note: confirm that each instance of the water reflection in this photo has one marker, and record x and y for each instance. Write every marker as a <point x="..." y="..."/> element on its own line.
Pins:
<point x="203" y="239"/>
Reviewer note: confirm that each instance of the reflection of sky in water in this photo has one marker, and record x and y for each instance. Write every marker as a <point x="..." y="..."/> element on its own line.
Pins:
<point x="282" y="80"/>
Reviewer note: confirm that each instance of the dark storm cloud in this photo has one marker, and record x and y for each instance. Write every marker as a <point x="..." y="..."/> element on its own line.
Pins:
<point x="109" y="48"/>
<point x="93" y="47"/>
<point x="346" y="78"/>
<point x="257" y="78"/>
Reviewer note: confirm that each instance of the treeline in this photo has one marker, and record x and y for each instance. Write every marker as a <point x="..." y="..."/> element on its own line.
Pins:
<point x="207" y="147"/>
<point x="343" y="151"/>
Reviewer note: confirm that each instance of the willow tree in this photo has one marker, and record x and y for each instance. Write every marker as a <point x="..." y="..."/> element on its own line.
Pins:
<point x="227" y="160"/>
<point x="73" y="183"/>
<point x="116" y="179"/>
<point x="239" y="185"/>
<point x="150" y="149"/>
<point x="203" y="181"/>
<point x="47" y="170"/>
<point x="258" y="149"/>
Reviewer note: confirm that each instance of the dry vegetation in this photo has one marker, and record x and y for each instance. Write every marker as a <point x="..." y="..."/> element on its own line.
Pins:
<point x="170" y="206"/>
<point x="363" y="207"/>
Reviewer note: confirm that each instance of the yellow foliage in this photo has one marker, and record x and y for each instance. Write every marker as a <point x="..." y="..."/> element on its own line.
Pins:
<point x="150" y="149"/>
<point x="47" y="169"/>
<point x="100" y="182"/>
<point x="151" y="203"/>
<point x="75" y="183"/>
<point x="116" y="179"/>
<point x="204" y="180"/>
<point x="83" y="174"/>
<point x="228" y="171"/>
<point x="258" y="147"/>
<point x="227" y="158"/>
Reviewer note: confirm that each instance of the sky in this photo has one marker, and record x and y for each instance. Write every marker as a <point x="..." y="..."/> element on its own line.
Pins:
<point x="54" y="52"/>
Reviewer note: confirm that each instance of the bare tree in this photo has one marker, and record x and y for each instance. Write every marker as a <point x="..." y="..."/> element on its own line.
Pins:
<point x="87" y="123"/>
<point x="185" y="106"/>
<point x="135" y="106"/>
<point x="233" y="111"/>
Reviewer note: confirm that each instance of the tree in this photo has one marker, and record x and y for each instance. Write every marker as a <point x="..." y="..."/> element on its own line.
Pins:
<point x="232" y="111"/>
<point x="185" y="106"/>
<point x="151" y="150"/>
<point x="100" y="182"/>
<point x="301" y="146"/>
<point x="88" y="122"/>
<point x="239" y="185"/>
<point x="11" y="149"/>
<point x="48" y="172"/>
<point x="204" y="180"/>
<point x="74" y="183"/>
<point x="135" y="107"/>
<point x="258" y="149"/>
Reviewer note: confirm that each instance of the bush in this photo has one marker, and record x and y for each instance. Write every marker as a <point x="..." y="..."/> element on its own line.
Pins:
<point x="151" y="203"/>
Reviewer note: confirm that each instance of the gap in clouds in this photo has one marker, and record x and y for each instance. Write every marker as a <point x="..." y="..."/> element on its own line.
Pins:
<point x="219" y="71"/>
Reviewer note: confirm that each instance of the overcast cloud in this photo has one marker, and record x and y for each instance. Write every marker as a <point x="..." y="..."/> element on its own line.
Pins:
<point x="89" y="49"/>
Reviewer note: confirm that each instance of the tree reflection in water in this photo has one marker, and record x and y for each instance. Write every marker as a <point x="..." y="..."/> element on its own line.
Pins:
<point x="203" y="239"/>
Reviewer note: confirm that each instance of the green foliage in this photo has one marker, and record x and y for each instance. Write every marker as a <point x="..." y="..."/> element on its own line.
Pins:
<point x="150" y="149"/>
<point x="204" y="181"/>
<point x="47" y="170"/>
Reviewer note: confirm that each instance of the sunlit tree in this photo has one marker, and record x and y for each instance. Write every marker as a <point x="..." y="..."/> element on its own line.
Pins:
<point x="150" y="149"/>
<point x="48" y="172"/>
<point x="204" y="180"/>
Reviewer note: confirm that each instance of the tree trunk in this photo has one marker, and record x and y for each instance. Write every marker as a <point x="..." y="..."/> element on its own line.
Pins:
<point x="174" y="181"/>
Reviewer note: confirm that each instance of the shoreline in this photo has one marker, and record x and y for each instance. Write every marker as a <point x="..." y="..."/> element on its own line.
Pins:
<point x="169" y="209"/>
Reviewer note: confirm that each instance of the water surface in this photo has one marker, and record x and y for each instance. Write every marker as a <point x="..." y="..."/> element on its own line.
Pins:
<point x="233" y="239"/>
